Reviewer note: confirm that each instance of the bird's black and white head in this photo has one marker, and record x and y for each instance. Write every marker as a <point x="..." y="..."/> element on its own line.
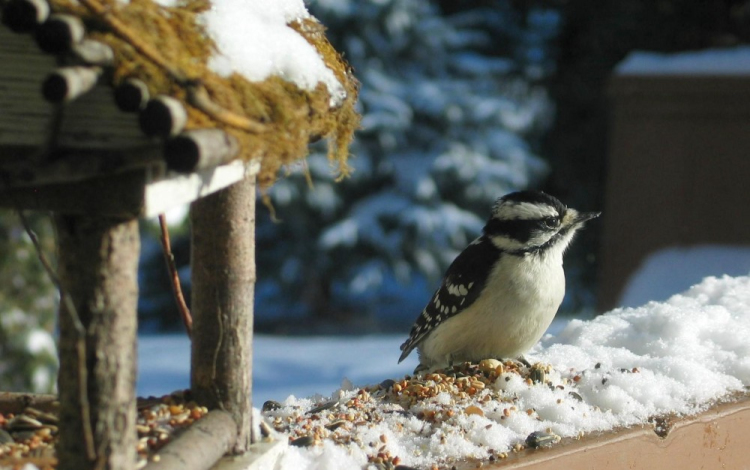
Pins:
<point x="529" y="222"/>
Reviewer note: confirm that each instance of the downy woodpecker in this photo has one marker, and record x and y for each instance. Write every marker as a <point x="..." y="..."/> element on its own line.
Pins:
<point x="501" y="293"/>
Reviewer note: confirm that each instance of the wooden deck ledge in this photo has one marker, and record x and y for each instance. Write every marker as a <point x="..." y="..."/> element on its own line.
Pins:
<point x="714" y="439"/>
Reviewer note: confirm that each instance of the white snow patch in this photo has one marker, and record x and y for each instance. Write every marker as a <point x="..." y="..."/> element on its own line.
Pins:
<point x="40" y="341"/>
<point x="344" y="234"/>
<point x="254" y="40"/>
<point x="177" y="215"/>
<point x="674" y="269"/>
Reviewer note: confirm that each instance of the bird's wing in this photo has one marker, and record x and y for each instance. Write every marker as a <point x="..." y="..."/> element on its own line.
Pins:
<point x="463" y="282"/>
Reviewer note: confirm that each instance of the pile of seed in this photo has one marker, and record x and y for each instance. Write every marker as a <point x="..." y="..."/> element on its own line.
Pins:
<point x="369" y="423"/>
<point x="432" y="404"/>
<point x="30" y="436"/>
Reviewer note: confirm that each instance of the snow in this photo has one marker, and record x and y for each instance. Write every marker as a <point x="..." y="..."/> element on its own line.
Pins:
<point x="671" y="270"/>
<point x="677" y="356"/>
<point x="283" y="366"/>
<point x="40" y="341"/>
<point x="254" y="40"/>
<point x="729" y="61"/>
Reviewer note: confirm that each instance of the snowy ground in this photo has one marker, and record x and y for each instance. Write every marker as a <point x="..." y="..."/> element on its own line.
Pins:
<point x="618" y="369"/>
<point x="283" y="366"/>
<point x="674" y="269"/>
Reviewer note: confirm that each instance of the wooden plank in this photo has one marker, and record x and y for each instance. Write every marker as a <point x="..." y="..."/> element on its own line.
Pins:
<point x="144" y="192"/>
<point x="114" y="196"/>
<point x="716" y="438"/>
<point x="178" y="190"/>
<point x="95" y="121"/>
<point x="92" y="121"/>
<point x="68" y="166"/>
<point x="20" y="89"/>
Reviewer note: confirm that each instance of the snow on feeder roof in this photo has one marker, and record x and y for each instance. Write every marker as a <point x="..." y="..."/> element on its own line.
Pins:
<point x="261" y="72"/>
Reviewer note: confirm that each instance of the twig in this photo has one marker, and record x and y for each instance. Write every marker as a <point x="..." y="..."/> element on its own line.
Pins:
<point x="124" y="32"/>
<point x="17" y="402"/>
<point x="187" y="318"/>
<point x="198" y="97"/>
<point x="217" y="351"/>
<point x="83" y="395"/>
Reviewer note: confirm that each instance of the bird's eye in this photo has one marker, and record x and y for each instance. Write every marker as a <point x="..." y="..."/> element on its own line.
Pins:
<point x="550" y="222"/>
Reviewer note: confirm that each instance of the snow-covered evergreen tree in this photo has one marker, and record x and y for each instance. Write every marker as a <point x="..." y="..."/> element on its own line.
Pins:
<point x="451" y="117"/>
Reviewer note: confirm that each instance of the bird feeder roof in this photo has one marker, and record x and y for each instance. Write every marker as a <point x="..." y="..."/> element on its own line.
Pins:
<point x="170" y="77"/>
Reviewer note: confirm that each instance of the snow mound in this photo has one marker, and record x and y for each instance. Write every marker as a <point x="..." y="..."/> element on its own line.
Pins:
<point x="254" y="40"/>
<point x="619" y="369"/>
<point x="670" y="270"/>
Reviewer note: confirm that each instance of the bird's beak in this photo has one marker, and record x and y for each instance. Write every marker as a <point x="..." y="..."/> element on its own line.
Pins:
<point x="583" y="217"/>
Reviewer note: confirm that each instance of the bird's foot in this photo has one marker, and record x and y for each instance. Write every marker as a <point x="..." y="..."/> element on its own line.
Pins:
<point x="523" y="361"/>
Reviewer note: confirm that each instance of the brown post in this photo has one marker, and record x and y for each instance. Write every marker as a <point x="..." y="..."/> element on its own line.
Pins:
<point x="98" y="263"/>
<point x="223" y="274"/>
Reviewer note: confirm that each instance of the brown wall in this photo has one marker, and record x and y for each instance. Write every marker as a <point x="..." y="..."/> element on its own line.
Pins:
<point x="678" y="170"/>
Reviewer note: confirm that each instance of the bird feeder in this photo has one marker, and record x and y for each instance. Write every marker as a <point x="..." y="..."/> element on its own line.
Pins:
<point x="105" y="126"/>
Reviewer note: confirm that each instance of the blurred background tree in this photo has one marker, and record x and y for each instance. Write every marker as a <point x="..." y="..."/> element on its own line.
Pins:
<point x="28" y="300"/>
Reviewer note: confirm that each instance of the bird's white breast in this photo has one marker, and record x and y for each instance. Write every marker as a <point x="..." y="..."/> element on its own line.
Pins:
<point x="519" y="301"/>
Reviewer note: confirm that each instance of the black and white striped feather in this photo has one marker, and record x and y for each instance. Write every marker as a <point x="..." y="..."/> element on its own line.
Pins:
<point x="461" y="287"/>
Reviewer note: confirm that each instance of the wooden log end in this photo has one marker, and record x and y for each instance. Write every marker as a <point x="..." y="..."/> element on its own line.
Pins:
<point x="68" y="83"/>
<point x="131" y="95"/>
<point x="92" y="52"/>
<point x="199" y="149"/>
<point x="59" y="33"/>
<point x="163" y="116"/>
<point x="22" y="16"/>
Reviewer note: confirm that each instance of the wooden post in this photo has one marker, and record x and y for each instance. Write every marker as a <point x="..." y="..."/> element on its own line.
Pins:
<point x="223" y="274"/>
<point x="98" y="262"/>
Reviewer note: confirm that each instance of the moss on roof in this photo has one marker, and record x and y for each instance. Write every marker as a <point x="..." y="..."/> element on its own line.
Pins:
<point x="168" y="49"/>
